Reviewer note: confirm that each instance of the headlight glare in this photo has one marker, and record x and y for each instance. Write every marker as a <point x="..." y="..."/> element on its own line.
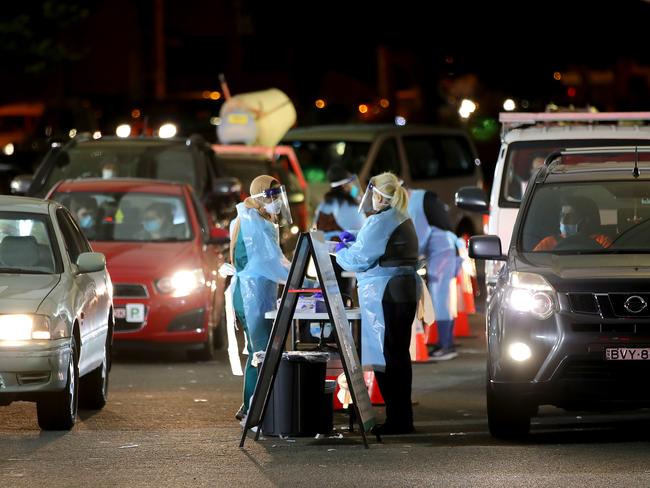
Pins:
<point x="531" y="293"/>
<point x="181" y="283"/>
<point x="24" y="327"/>
<point x="519" y="351"/>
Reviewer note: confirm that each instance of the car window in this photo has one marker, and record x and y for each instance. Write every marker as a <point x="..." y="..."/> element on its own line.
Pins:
<point x="316" y="156"/>
<point x="524" y="157"/>
<point x="121" y="216"/>
<point x="387" y="159"/>
<point x="73" y="241"/>
<point x="434" y="156"/>
<point x="26" y="243"/>
<point x="611" y="216"/>
<point x="171" y="161"/>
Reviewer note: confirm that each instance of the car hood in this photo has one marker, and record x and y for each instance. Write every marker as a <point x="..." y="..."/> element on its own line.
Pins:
<point x="147" y="259"/>
<point x="24" y="293"/>
<point x="588" y="271"/>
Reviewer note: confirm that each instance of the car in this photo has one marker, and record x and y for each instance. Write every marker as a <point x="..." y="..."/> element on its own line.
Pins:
<point x="56" y="313"/>
<point x="440" y="159"/>
<point x="526" y="140"/>
<point x="167" y="292"/>
<point x="247" y="162"/>
<point x="568" y="323"/>
<point x="188" y="160"/>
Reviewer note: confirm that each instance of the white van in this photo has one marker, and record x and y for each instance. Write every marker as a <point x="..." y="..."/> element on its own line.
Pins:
<point x="526" y="140"/>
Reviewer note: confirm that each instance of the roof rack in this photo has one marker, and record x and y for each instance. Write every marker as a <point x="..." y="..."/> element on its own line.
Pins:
<point x="511" y="120"/>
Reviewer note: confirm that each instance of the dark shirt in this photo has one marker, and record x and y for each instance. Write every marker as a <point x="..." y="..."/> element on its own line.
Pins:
<point x="435" y="211"/>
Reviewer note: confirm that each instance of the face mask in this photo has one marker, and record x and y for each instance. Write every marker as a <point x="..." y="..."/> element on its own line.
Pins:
<point x="107" y="173"/>
<point x="274" y="207"/>
<point x="354" y="192"/>
<point x="152" y="225"/>
<point x="86" y="221"/>
<point x="568" y="229"/>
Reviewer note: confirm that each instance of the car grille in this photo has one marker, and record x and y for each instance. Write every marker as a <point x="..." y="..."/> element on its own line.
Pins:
<point x="615" y="328"/>
<point x="619" y="371"/>
<point x="121" y="325"/>
<point x="125" y="290"/>
<point x="609" y="305"/>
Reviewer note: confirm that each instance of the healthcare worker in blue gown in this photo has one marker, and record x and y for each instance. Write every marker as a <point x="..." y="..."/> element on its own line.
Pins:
<point x="259" y="267"/>
<point x="438" y="245"/>
<point x="339" y="210"/>
<point x="385" y="256"/>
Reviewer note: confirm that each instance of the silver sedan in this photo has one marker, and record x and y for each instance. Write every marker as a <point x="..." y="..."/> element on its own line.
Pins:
<point x="56" y="313"/>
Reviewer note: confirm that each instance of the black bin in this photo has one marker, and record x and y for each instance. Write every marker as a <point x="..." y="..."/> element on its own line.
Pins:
<point x="298" y="403"/>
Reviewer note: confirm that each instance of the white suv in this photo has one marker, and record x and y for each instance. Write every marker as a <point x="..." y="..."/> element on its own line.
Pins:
<point x="526" y="140"/>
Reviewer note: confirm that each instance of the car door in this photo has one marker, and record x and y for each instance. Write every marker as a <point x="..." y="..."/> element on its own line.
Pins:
<point x="90" y="295"/>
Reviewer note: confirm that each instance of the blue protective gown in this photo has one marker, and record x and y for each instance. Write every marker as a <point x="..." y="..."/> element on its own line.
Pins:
<point x="363" y="258"/>
<point x="260" y="266"/>
<point x="439" y="248"/>
<point x="345" y="214"/>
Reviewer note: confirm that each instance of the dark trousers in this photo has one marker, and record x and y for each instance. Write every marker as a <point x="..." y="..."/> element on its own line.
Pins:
<point x="395" y="381"/>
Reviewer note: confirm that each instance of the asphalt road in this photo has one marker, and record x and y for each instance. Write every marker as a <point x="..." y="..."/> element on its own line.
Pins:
<point x="169" y="423"/>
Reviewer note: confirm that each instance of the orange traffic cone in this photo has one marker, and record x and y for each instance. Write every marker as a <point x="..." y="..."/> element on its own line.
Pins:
<point x="432" y="334"/>
<point x="461" y="325"/>
<point x="373" y="388"/>
<point x="419" y="351"/>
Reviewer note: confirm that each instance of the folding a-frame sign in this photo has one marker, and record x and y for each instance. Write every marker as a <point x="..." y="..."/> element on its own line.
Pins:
<point x="311" y="244"/>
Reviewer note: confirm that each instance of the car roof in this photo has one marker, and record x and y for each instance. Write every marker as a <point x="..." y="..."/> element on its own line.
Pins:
<point x="10" y="203"/>
<point x="120" y="185"/>
<point x="363" y="132"/>
<point x="577" y="132"/>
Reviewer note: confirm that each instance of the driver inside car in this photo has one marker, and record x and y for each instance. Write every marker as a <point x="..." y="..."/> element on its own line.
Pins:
<point x="579" y="225"/>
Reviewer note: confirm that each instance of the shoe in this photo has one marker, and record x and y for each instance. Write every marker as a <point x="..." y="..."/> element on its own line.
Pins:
<point x="432" y="348"/>
<point x="444" y="355"/>
<point x="241" y="414"/>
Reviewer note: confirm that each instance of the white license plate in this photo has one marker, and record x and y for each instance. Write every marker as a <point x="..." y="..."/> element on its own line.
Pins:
<point x="133" y="312"/>
<point x="627" y="353"/>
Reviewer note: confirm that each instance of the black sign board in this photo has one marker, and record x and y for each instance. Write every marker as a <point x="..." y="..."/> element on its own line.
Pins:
<point x="313" y="245"/>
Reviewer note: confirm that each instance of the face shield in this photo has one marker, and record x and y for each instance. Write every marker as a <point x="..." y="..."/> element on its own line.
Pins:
<point x="374" y="199"/>
<point x="350" y="185"/>
<point x="276" y="204"/>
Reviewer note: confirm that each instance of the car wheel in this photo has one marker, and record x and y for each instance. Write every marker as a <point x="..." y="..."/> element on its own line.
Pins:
<point x="94" y="386"/>
<point x="508" y="417"/>
<point x="58" y="411"/>
<point x="206" y="353"/>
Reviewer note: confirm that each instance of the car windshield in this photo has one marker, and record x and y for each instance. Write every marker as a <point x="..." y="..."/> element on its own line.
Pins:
<point x="316" y="156"/>
<point x="25" y="244"/>
<point x="161" y="160"/>
<point x="133" y="216"/>
<point x="592" y="217"/>
<point x="525" y="157"/>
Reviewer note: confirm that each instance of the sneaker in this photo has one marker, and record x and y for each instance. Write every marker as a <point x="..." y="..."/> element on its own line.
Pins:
<point x="431" y="348"/>
<point x="241" y="413"/>
<point x="444" y="355"/>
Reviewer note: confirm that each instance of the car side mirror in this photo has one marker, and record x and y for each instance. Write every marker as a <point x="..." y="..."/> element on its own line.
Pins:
<point x="89" y="262"/>
<point x="20" y="184"/>
<point x="219" y="236"/>
<point x="472" y="198"/>
<point x="486" y="247"/>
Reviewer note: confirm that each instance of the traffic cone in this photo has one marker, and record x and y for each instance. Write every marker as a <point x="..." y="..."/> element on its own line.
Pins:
<point x="461" y="325"/>
<point x="373" y="388"/>
<point x="419" y="351"/>
<point x="432" y="334"/>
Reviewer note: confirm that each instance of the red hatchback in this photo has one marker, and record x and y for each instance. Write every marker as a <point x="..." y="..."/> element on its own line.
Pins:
<point x="161" y="256"/>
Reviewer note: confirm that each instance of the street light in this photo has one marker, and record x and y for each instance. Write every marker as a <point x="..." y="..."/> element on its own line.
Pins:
<point x="509" y="105"/>
<point x="467" y="108"/>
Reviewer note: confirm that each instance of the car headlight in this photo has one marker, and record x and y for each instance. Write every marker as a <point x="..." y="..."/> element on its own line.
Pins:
<point x="531" y="293"/>
<point x="181" y="283"/>
<point x="8" y="149"/>
<point x="24" y="327"/>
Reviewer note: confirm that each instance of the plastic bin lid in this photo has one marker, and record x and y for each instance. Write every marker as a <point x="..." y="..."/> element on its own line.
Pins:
<point x="308" y="356"/>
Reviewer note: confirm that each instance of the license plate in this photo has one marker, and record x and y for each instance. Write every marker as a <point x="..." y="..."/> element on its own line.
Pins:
<point x="133" y="312"/>
<point x="627" y="353"/>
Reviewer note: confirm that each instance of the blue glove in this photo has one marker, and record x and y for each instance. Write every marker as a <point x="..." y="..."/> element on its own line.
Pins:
<point x="346" y="236"/>
<point x="318" y="295"/>
<point x="339" y="246"/>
